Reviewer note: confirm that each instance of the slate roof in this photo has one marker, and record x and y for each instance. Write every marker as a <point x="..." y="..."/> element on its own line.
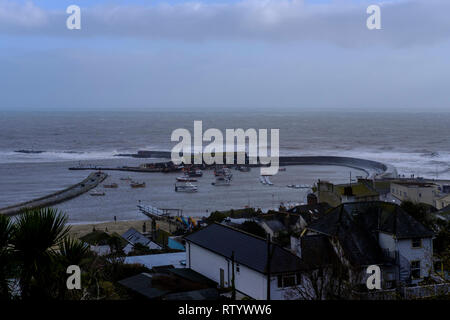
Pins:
<point x="142" y="284"/>
<point x="133" y="236"/>
<point x="356" y="226"/>
<point x="249" y="250"/>
<point x="275" y="225"/>
<point x="311" y="212"/>
<point x="202" y="294"/>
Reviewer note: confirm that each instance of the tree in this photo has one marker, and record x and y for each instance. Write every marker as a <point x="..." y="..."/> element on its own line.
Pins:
<point x="6" y="230"/>
<point x="36" y="234"/>
<point x="324" y="282"/>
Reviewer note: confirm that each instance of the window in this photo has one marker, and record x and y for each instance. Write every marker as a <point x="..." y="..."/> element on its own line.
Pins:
<point x="416" y="243"/>
<point x="288" y="280"/>
<point x="415" y="269"/>
<point x="420" y="195"/>
<point x="237" y="268"/>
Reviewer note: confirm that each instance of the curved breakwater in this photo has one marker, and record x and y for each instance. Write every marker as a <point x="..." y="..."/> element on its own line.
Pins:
<point x="87" y="184"/>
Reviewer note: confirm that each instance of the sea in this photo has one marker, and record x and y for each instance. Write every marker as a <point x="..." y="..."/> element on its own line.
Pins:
<point x="414" y="143"/>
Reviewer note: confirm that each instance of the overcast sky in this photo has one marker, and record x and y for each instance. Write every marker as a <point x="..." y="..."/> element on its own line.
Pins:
<point x="220" y="55"/>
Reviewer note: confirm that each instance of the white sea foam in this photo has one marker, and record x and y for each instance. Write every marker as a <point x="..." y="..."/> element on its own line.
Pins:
<point x="429" y="165"/>
<point x="54" y="156"/>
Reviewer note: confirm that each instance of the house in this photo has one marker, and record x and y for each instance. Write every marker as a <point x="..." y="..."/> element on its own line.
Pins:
<point x="415" y="191"/>
<point x="309" y="213"/>
<point x="260" y="269"/>
<point x="176" y="259"/>
<point x="442" y="202"/>
<point x="378" y="233"/>
<point x="334" y="195"/>
<point x="133" y="237"/>
<point x="293" y="220"/>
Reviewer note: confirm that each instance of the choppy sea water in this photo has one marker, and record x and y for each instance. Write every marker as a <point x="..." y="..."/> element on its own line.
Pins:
<point x="414" y="143"/>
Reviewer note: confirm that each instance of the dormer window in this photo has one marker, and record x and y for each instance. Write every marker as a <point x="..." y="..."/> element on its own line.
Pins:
<point x="416" y="243"/>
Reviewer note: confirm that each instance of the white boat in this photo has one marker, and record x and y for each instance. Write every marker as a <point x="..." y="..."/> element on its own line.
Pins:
<point x="265" y="180"/>
<point x="186" y="179"/>
<point x="221" y="181"/>
<point x="299" y="186"/>
<point x="262" y="180"/>
<point x="186" y="187"/>
<point x="268" y="181"/>
<point x="97" y="193"/>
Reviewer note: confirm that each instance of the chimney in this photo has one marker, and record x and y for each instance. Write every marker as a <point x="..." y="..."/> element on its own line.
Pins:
<point x="311" y="199"/>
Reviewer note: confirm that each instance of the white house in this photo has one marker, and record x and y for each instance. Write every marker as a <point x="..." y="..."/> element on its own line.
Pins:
<point x="134" y="237"/>
<point x="217" y="250"/>
<point x="380" y="233"/>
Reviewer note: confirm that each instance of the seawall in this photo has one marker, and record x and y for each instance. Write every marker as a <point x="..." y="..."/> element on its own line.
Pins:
<point x="93" y="180"/>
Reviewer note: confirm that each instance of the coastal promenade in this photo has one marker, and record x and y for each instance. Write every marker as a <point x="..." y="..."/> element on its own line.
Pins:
<point x="93" y="180"/>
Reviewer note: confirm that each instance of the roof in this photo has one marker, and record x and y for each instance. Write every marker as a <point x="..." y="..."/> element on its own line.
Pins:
<point x="358" y="189"/>
<point x="142" y="284"/>
<point x="173" y="284"/>
<point x="415" y="184"/>
<point x="249" y="250"/>
<point x="444" y="211"/>
<point x="202" y="294"/>
<point x="311" y="212"/>
<point x="317" y="250"/>
<point x="133" y="236"/>
<point x="192" y="275"/>
<point x="274" y="225"/>
<point x="356" y="226"/>
<point x="161" y="259"/>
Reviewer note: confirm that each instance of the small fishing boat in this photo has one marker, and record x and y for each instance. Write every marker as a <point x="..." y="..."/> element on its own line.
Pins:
<point x="111" y="186"/>
<point x="97" y="193"/>
<point x="186" y="187"/>
<point x="221" y="181"/>
<point x="194" y="173"/>
<point x="135" y="184"/>
<point x="299" y="186"/>
<point x="186" y="179"/>
<point x="281" y="169"/>
<point x="126" y="179"/>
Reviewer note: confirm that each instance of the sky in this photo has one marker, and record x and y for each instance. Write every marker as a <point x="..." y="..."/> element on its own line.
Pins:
<point x="225" y="55"/>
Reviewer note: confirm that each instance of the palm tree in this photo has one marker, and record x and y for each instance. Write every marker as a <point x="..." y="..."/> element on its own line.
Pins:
<point x="37" y="234"/>
<point x="6" y="230"/>
<point x="73" y="251"/>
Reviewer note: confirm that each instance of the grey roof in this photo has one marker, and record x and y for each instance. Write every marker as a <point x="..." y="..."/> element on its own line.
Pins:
<point x="142" y="284"/>
<point x="202" y="294"/>
<point x="444" y="211"/>
<point x="356" y="226"/>
<point x="191" y="275"/>
<point x="249" y="250"/>
<point x="311" y="212"/>
<point x="133" y="236"/>
<point x="275" y="225"/>
<point x="317" y="251"/>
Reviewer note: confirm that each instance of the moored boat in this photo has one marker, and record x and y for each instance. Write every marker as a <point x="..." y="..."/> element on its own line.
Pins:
<point x="186" y="179"/>
<point x="221" y="181"/>
<point x="97" y="193"/>
<point x="186" y="187"/>
<point x="111" y="186"/>
<point x="135" y="184"/>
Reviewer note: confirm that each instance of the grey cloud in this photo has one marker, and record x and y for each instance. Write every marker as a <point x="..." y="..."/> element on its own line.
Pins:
<point x="405" y="23"/>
